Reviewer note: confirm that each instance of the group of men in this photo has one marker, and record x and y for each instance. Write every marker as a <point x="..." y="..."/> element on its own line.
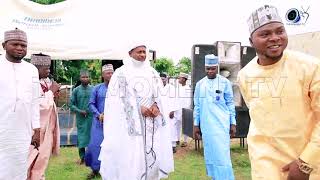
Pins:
<point x="177" y="98"/>
<point x="131" y="132"/>
<point x="88" y="104"/>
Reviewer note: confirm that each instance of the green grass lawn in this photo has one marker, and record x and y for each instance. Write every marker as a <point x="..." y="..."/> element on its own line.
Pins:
<point x="189" y="165"/>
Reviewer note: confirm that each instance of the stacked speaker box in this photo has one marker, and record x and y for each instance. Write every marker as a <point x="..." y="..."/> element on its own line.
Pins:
<point x="229" y="54"/>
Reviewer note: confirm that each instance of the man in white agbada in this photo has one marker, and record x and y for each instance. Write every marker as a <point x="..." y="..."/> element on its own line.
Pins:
<point x="184" y="95"/>
<point x="137" y="142"/>
<point x="173" y="105"/>
<point x="20" y="115"/>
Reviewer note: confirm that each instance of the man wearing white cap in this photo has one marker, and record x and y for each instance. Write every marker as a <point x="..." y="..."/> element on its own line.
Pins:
<point x="214" y="114"/>
<point x="184" y="98"/>
<point x="96" y="106"/>
<point x="19" y="106"/>
<point x="172" y="103"/>
<point x="137" y="141"/>
<point x="282" y="91"/>
<point x="49" y="124"/>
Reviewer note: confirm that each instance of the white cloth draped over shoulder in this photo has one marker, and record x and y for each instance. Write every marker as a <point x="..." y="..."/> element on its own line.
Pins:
<point x="19" y="97"/>
<point x="124" y="154"/>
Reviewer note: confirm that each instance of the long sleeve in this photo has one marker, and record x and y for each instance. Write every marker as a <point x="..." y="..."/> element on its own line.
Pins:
<point x="228" y="96"/>
<point x="311" y="153"/>
<point x="73" y="101"/>
<point x="196" y="110"/>
<point x="93" y="103"/>
<point x="242" y="86"/>
<point x="35" y="123"/>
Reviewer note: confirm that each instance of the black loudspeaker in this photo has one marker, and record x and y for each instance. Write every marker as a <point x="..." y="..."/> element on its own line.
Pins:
<point x="199" y="51"/>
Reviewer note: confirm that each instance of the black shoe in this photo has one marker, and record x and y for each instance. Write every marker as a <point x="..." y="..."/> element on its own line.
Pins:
<point x="93" y="174"/>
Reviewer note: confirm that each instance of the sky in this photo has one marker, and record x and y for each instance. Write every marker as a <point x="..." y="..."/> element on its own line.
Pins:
<point x="170" y="27"/>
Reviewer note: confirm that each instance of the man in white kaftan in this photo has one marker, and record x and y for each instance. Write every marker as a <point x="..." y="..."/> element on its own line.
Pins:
<point x="137" y="142"/>
<point x="172" y="103"/>
<point x="184" y="95"/>
<point x="19" y="84"/>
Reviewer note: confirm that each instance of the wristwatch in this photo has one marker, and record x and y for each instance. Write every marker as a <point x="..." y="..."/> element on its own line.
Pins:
<point x="304" y="167"/>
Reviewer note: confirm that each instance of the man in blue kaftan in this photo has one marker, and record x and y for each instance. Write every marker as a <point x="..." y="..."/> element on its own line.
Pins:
<point x="214" y="114"/>
<point x="96" y="106"/>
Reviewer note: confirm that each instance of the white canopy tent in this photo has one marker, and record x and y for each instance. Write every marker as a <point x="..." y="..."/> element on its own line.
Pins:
<point x="72" y="29"/>
<point x="97" y="29"/>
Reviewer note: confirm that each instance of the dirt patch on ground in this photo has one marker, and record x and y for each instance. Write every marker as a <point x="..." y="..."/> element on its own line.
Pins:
<point x="182" y="151"/>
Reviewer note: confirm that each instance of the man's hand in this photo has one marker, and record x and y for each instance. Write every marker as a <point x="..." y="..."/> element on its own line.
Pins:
<point x="154" y="110"/>
<point x="36" y="138"/>
<point x="54" y="87"/>
<point x="145" y="111"/>
<point x="233" y="131"/>
<point x="101" y="116"/>
<point x="196" y="132"/>
<point x="294" y="172"/>
<point x="83" y="113"/>
<point x="171" y="114"/>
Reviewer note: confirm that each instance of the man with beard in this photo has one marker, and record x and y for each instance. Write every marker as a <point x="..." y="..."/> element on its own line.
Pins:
<point x="96" y="105"/>
<point x="49" y="124"/>
<point x="19" y="84"/>
<point x="137" y="143"/>
<point x="80" y="105"/>
<point x="282" y="91"/>
<point x="214" y="114"/>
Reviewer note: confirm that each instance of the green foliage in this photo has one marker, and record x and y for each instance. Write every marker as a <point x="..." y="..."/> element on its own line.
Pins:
<point x="67" y="71"/>
<point x="184" y="65"/>
<point x="164" y="65"/>
<point x="47" y="2"/>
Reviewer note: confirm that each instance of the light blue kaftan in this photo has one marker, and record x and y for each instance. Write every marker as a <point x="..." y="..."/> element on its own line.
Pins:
<point x="215" y="112"/>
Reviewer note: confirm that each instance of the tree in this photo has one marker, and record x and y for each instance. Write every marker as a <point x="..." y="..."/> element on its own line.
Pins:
<point x="184" y="65"/>
<point x="67" y="71"/>
<point x="164" y="65"/>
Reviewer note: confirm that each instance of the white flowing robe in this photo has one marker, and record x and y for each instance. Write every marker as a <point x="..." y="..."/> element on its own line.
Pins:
<point x="19" y="84"/>
<point x="123" y="152"/>
<point x="172" y="103"/>
<point x="184" y="97"/>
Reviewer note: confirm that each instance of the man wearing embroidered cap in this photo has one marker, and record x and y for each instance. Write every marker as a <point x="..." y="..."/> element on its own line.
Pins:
<point x="183" y="92"/>
<point x="214" y="114"/>
<point x="49" y="124"/>
<point x="96" y="106"/>
<point x="282" y="91"/>
<point x="19" y="106"/>
<point x="80" y="105"/>
<point x="137" y="141"/>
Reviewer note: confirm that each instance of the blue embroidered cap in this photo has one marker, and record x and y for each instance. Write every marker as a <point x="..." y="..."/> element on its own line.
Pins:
<point x="211" y="60"/>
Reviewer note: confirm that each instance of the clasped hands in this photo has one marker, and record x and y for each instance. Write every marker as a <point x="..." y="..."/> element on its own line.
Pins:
<point x="152" y="112"/>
